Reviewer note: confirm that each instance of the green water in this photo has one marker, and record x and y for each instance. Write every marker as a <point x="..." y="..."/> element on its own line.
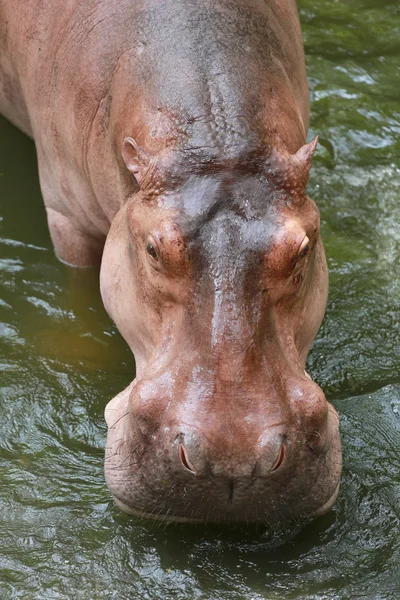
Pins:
<point x="61" y="360"/>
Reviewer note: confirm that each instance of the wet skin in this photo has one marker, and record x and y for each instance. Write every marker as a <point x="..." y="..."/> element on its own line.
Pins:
<point x="175" y="135"/>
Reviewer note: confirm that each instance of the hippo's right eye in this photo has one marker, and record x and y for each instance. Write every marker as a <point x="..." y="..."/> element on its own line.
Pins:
<point x="151" y="251"/>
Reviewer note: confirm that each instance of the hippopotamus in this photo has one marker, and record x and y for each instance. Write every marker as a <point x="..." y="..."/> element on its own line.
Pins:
<point x="171" y="146"/>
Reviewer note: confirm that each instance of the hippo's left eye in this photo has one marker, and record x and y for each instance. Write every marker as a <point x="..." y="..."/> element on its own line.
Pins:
<point x="299" y="263"/>
<point x="304" y="248"/>
<point x="151" y="251"/>
<point x="305" y="251"/>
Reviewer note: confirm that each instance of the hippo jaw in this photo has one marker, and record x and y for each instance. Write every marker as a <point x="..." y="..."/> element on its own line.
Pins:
<point x="176" y="519"/>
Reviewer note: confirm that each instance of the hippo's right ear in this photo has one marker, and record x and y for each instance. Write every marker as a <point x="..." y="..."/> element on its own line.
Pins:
<point x="136" y="159"/>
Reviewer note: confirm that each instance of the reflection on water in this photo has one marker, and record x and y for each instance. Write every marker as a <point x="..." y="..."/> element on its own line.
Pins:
<point x="61" y="360"/>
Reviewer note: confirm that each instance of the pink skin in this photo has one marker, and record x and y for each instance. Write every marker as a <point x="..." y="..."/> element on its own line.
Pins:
<point x="220" y="391"/>
<point x="172" y="135"/>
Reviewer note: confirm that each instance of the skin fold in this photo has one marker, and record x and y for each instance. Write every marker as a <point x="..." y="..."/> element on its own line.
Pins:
<point x="171" y="142"/>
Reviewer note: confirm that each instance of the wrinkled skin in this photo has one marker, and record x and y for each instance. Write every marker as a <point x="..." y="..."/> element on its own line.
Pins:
<point x="174" y="132"/>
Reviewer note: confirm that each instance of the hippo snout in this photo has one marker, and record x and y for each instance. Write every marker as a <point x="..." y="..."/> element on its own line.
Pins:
<point x="260" y="462"/>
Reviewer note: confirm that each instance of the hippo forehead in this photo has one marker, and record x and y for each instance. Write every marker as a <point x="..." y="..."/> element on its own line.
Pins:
<point x="226" y="205"/>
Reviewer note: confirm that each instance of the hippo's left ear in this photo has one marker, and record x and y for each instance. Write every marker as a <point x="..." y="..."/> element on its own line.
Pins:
<point x="306" y="153"/>
<point x="290" y="171"/>
<point x="136" y="159"/>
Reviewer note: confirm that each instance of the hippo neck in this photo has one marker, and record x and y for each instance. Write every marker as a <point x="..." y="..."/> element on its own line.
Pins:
<point x="197" y="97"/>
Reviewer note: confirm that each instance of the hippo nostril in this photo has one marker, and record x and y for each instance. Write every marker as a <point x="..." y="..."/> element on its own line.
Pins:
<point x="185" y="459"/>
<point x="280" y="459"/>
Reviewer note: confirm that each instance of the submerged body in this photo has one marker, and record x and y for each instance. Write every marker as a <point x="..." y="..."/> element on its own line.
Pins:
<point x="174" y="134"/>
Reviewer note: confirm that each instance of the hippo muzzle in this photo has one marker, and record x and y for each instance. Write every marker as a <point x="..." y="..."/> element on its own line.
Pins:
<point x="219" y="468"/>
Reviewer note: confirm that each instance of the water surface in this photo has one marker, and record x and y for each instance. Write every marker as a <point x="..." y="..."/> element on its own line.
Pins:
<point x="61" y="360"/>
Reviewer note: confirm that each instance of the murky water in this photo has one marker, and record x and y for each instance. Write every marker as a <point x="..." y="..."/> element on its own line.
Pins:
<point x="61" y="360"/>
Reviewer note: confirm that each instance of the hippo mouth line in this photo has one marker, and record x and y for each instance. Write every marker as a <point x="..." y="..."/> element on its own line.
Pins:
<point x="177" y="519"/>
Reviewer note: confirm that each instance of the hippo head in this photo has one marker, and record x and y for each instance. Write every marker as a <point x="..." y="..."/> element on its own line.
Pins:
<point x="215" y="274"/>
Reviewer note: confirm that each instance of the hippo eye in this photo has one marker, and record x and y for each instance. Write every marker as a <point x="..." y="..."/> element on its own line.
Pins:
<point x="151" y="251"/>
<point x="304" y="248"/>
<point x="305" y="251"/>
